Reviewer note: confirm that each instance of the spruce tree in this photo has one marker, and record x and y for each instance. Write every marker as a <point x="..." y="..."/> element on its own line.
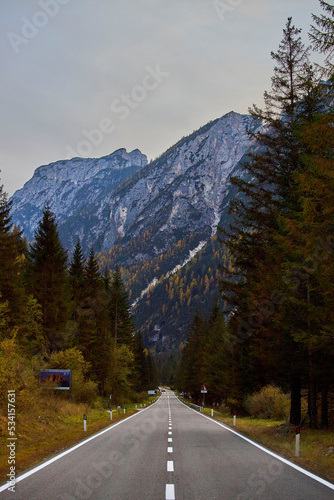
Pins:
<point x="94" y="337"/>
<point x="322" y="35"/>
<point x="255" y="289"/>
<point x="142" y="376"/>
<point x="77" y="270"/>
<point x="11" y="260"/>
<point x="190" y="374"/>
<point x="47" y="279"/>
<point x="121" y="324"/>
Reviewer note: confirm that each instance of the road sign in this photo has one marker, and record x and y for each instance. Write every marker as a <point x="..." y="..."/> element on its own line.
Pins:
<point x="204" y="390"/>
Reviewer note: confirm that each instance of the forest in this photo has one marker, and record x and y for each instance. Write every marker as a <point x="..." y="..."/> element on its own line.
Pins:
<point x="65" y="315"/>
<point x="277" y="324"/>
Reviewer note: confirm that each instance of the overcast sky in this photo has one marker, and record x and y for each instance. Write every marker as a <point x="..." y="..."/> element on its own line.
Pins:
<point x="87" y="77"/>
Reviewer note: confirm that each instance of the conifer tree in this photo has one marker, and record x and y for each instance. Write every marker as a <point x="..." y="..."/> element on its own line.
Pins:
<point x="142" y="378"/>
<point x="47" y="279"/>
<point x="11" y="260"/>
<point x="322" y="34"/>
<point x="121" y="323"/>
<point x="93" y="279"/>
<point x="255" y="289"/>
<point x="309" y="247"/>
<point x="77" y="271"/>
<point x="190" y="376"/>
<point x="93" y="327"/>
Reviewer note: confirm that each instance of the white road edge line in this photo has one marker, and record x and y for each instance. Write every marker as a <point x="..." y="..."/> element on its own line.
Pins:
<point x="61" y="455"/>
<point x="284" y="460"/>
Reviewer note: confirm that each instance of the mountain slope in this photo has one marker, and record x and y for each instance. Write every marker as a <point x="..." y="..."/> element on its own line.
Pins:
<point x="182" y="191"/>
<point x="148" y="218"/>
<point x="78" y="192"/>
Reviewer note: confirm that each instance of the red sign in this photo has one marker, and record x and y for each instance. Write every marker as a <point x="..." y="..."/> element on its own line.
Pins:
<point x="204" y="390"/>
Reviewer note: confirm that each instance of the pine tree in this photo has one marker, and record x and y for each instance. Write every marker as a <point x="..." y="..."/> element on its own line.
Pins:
<point x="142" y="376"/>
<point x="93" y="279"/>
<point x="190" y="375"/>
<point x="77" y="269"/>
<point x="216" y="372"/>
<point x="121" y="323"/>
<point x="310" y="263"/>
<point x="322" y="34"/>
<point x="94" y="338"/>
<point x="11" y="260"/>
<point x="254" y="286"/>
<point x="47" y="279"/>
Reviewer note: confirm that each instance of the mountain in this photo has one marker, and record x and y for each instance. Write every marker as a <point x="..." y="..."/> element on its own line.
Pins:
<point x="78" y="191"/>
<point x="151" y="219"/>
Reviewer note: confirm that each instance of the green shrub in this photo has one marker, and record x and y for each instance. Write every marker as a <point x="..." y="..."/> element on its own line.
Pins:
<point x="269" y="402"/>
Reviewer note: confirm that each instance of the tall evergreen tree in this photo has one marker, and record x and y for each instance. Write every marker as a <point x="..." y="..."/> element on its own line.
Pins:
<point x="256" y="288"/>
<point x="77" y="270"/>
<point x="93" y="279"/>
<point x="322" y="34"/>
<point x="11" y="260"/>
<point x="94" y="337"/>
<point x="47" y="279"/>
<point x="142" y="379"/>
<point x="190" y="375"/>
<point x="122" y="327"/>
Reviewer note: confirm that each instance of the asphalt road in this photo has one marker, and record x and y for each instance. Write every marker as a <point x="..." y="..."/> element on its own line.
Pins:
<point x="167" y="452"/>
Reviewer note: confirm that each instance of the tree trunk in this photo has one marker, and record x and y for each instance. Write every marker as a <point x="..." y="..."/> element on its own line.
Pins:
<point x="312" y="394"/>
<point x="324" y="404"/>
<point x="295" y="408"/>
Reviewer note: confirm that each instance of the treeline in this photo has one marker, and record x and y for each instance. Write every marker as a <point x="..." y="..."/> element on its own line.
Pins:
<point x="280" y="292"/>
<point x="60" y="314"/>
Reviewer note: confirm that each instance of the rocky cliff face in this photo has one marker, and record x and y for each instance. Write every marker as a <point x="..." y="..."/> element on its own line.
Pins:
<point x="182" y="191"/>
<point x="79" y="192"/>
<point x="120" y="196"/>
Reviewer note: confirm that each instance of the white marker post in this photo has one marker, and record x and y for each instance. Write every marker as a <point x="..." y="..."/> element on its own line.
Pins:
<point x="297" y="440"/>
<point x="85" y="422"/>
<point x="204" y="391"/>
<point x="211" y="412"/>
<point x="234" y="419"/>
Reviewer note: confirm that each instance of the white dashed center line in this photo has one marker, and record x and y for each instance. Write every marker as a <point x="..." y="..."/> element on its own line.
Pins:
<point x="170" y="488"/>
<point x="170" y="466"/>
<point x="170" y="492"/>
